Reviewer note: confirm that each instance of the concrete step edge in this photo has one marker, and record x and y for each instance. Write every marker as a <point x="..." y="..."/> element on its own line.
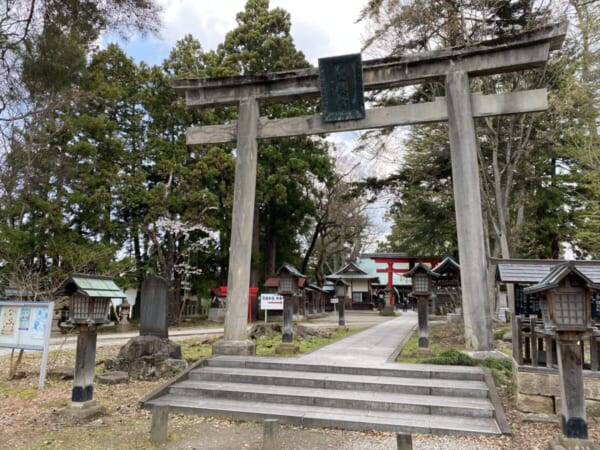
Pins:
<point x="388" y="369"/>
<point x="344" y="399"/>
<point x="451" y="388"/>
<point x="328" y="417"/>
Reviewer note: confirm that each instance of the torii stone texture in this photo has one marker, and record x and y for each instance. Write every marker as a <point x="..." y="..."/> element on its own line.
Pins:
<point x="476" y="302"/>
<point x="236" y="318"/>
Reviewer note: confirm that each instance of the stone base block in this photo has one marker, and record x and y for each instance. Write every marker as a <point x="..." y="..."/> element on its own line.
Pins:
<point x="342" y="328"/>
<point x="484" y="354"/>
<point x="116" y="377"/>
<point x="234" y="348"/>
<point x="82" y="411"/>
<point x="538" y="404"/>
<point x="453" y="318"/>
<point x="423" y="352"/>
<point x="287" y="348"/>
<point x="592" y="407"/>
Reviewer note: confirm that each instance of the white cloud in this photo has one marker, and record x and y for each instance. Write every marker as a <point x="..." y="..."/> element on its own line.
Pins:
<point x="319" y="28"/>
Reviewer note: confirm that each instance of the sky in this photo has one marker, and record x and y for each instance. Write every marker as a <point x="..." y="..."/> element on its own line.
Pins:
<point x="320" y="28"/>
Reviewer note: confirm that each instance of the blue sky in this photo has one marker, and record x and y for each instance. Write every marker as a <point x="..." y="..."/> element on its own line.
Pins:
<point x="320" y="28"/>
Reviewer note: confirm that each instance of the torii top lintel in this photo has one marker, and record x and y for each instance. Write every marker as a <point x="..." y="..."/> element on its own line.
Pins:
<point x="521" y="51"/>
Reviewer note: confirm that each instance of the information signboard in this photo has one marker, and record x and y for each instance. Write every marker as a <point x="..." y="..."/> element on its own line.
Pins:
<point x="271" y="302"/>
<point x="27" y="326"/>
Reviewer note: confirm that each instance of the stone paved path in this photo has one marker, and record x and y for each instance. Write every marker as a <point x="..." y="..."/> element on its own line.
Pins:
<point x="374" y="346"/>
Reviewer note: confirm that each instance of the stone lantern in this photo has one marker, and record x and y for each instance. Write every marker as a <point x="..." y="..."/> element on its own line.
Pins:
<point x="89" y="307"/>
<point x="341" y="292"/>
<point x="422" y="289"/>
<point x="565" y="301"/>
<point x="289" y="287"/>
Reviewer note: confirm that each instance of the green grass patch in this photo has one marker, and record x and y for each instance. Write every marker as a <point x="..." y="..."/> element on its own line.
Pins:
<point x="445" y="345"/>
<point x="409" y="353"/>
<point x="195" y="348"/>
<point x="452" y="357"/>
<point x="500" y="332"/>
<point x="266" y="345"/>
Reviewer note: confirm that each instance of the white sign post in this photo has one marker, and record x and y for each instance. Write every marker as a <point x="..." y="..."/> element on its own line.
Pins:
<point x="334" y="301"/>
<point x="27" y="326"/>
<point x="271" y="301"/>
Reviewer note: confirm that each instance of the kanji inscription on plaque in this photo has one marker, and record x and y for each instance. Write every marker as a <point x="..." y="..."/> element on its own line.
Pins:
<point x="342" y="88"/>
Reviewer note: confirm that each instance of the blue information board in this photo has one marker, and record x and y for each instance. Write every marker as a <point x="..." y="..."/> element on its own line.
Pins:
<point x="27" y="326"/>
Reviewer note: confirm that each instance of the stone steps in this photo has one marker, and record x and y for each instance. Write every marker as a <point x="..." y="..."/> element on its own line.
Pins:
<point x="389" y="397"/>
<point x="321" y="380"/>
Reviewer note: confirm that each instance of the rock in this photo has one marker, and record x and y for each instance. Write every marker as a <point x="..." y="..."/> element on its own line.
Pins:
<point x="481" y="355"/>
<point x="171" y="367"/>
<point x="116" y="377"/>
<point x="64" y="373"/>
<point x="507" y="337"/>
<point x="148" y="358"/>
<point x="149" y="345"/>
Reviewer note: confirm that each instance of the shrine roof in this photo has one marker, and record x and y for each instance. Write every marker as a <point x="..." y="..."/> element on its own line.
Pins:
<point x="272" y="282"/>
<point x="352" y="271"/>
<point x="448" y="263"/>
<point x="556" y="275"/>
<point x="535" y="270"/>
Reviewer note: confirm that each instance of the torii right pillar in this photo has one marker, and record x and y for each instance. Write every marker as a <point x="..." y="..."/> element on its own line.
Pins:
<point x="476" y="304"/>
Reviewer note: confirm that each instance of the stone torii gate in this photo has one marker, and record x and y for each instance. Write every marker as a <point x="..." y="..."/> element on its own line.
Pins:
<point x="455" y="66"/>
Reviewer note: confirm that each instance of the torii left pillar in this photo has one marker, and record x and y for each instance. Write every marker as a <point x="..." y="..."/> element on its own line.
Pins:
<point x="476" y="302"/>
<point x="235" y="340"/>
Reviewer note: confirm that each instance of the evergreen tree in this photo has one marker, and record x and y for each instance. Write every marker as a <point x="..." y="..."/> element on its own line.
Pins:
<point x="287" y="168"/>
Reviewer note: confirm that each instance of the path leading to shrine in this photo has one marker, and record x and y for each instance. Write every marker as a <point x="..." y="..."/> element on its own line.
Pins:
<point x="376" y="345"/>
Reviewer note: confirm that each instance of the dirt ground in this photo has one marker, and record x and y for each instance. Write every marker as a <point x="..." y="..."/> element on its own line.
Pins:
<point x="29" y="419"/>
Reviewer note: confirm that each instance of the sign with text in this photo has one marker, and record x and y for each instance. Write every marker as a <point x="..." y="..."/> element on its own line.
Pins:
<point x="334" y="300"/>
<point x="271" y="301"/>
<point x="342" y="95"/>
<point x="27" y="326"/>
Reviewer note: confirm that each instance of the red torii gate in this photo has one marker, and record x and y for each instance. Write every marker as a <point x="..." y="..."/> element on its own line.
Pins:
<point x="390" y="260"/>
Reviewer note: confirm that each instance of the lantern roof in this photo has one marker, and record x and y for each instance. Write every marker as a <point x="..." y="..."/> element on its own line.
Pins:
<point x="447" y="264"/>
<point x="292" y="270"/>
<point x="90" y="286"/>
<point x="421" y="267"/>
<point x="556" y="275"/>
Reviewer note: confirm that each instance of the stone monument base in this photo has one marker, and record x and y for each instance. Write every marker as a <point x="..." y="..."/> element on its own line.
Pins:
<point x="80" y="411"/>
<point x="237" y="348"/>
<point x="287" y="348"/>
<point x="423" y="352"/>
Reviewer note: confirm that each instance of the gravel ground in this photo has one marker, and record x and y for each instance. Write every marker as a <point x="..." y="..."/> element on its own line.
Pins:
<point x="214" y="434"/>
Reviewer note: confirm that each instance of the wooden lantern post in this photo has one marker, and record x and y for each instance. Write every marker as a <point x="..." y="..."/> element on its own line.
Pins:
<point x="90" y="300"/>
<point x="422" y="289"/>
<point x="565" y="301"/>
<point x="341" y="292"/>
<point x="289" y="278"/>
